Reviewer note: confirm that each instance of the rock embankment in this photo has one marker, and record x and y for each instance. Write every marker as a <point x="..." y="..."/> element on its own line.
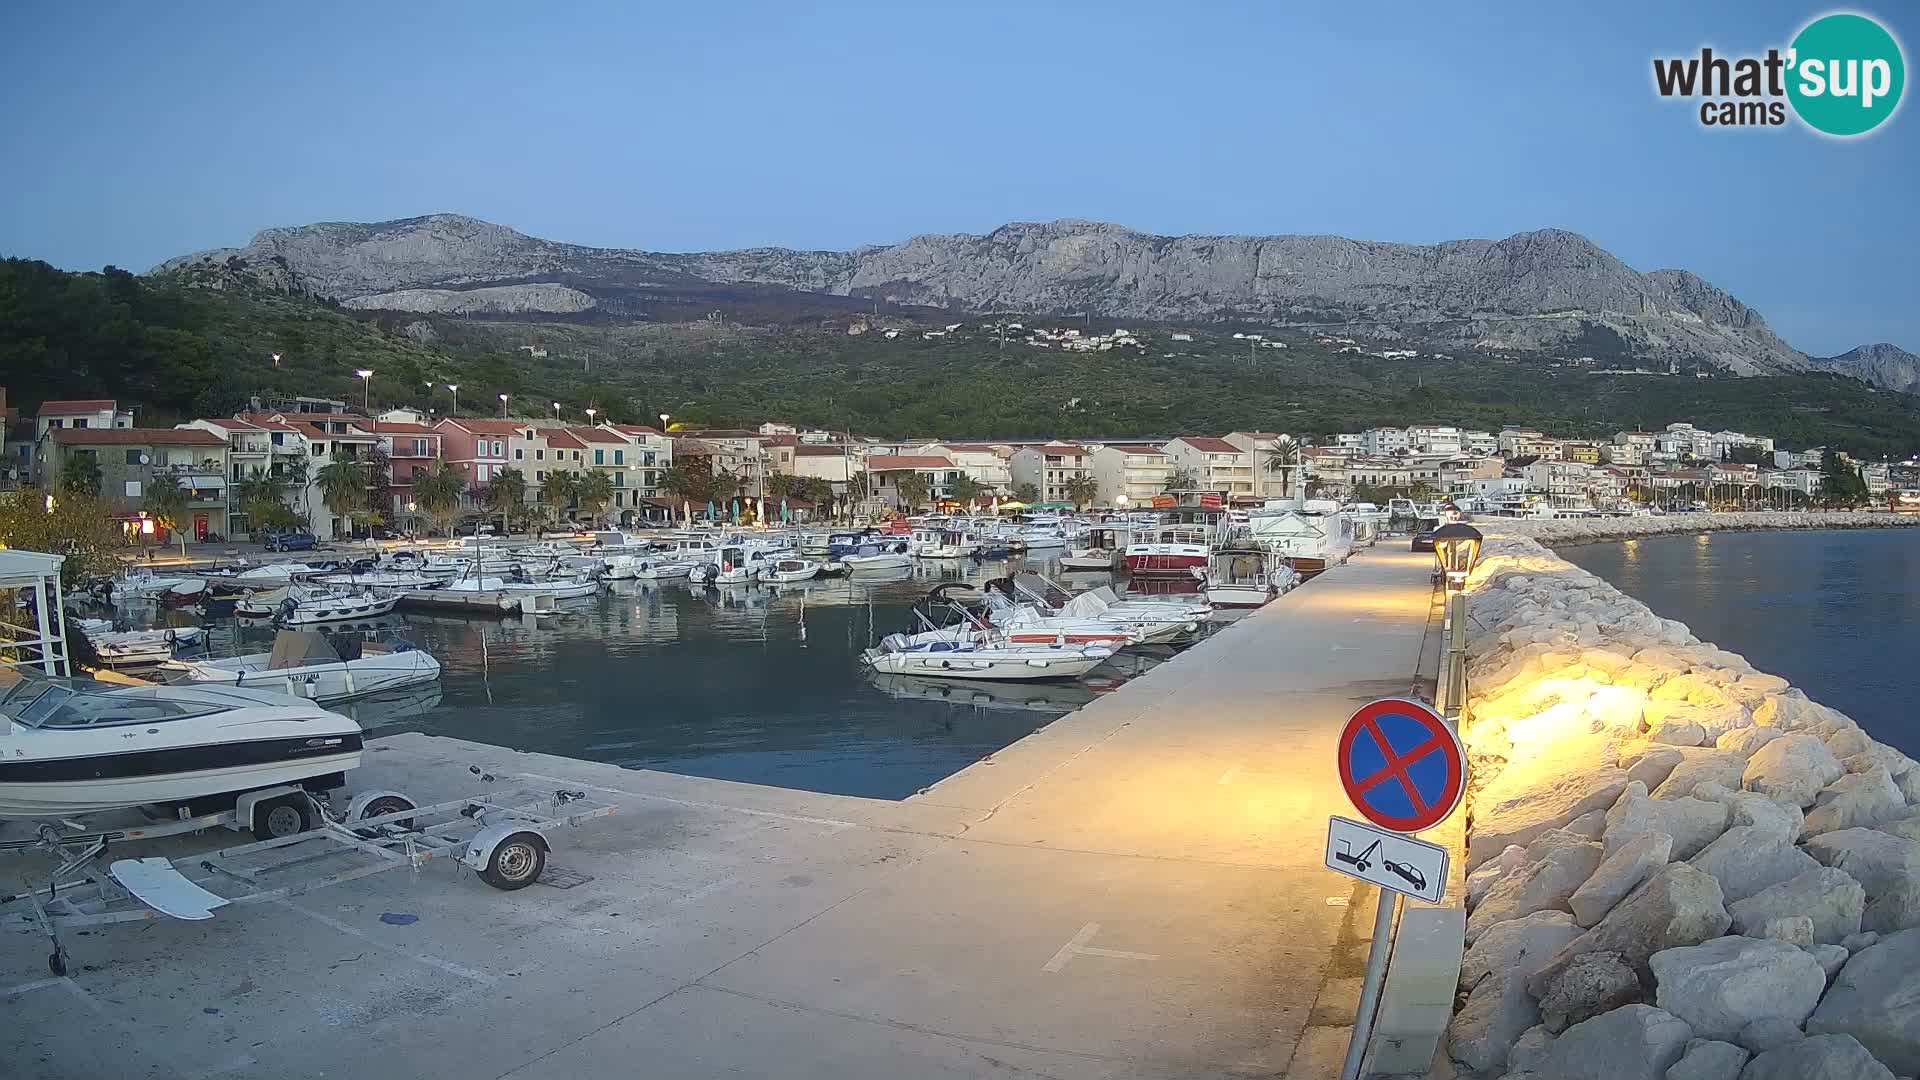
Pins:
<point x="1554" y="531"/>
<point x="1679" y="866"/>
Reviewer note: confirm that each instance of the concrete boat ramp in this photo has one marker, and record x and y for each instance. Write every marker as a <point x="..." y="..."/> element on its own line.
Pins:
<point x="1134" y="891"/>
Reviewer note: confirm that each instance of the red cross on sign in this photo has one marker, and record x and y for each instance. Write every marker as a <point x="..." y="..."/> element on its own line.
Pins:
<point x="1401" y="765"/>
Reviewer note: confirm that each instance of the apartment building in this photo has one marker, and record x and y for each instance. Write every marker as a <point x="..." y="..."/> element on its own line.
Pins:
<point x="413" y="451"/>
<point x="986" y="463"/>
<point x="1135" y="471"/>
<point x="1480" y="443"/>
<point x="1564" y="483"/>
<point x="1049" y="467"/>
<point x="1259" y="447"/>
<point x="131" y="459"/>
<point x="1216" y="464"/>
<point x="1518" y="442"/>
<point x="834" y="464"/>
<point x="1435" y="439"/>
<point x="91" y="413"/>
<point x="887" y="470"/>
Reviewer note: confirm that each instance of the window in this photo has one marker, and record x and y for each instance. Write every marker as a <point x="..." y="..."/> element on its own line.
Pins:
<point x="619" y="457"/>
<point x="599" y="457"/>
<point x="419" y="473"/>
<point x="539" y="477"/>
<point x="79" y="423"/>
<point x="519" y="454"/>
<point x="619" y="479"/>
<point x="576" y="455"/>
<point x="318" y="449"/>
<point x="133" y="457"/>
<point x="539" y="455"/>
<point x="51" y="424"/>
<point x="499" y="448"/>
<point x="422" y="448"/>
<point x="279" y="438"/>
<point x="133" y="489"/>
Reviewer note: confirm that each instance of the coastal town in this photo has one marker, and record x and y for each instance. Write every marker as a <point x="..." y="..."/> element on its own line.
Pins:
<point x="280" y="463"/>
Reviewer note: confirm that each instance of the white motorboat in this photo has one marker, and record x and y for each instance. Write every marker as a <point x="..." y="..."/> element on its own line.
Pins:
<point x="307" y="605"/>
<point x="657" y="568"/>
<point x="1105" y="549"/>
<point x="1027" y="624"/>
<point x="73" y="747"/>
<point x="786" y="571"/>
<point x="1309" y="539"/>
<point x="942" y="543"/>
<point x="950" y="657"/>
<point x="385" y="579"/>
<point x="274" y="575"/>
<point x="1176" y="550"/>
<point x="318" y="667"/>
<point x="144" y="584"/>
<point x="1154" y="622"/>
<point x="125" y="648"/>
<point x="559" y="589"/>
<point x="1246" y="578"/>
<point x="889" y="555"/>
<point x="430" y="564"/>
<point x="731" y="566"/>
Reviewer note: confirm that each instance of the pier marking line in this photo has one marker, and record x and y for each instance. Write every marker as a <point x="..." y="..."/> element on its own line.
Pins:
<point x="1077" y="946"/>
<point x="447" y="966"/>
<point x="833" y="824"/>
<point x="29" y="987"/>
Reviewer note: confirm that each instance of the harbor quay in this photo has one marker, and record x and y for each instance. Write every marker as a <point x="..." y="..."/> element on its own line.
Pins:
<point x="1677" y="862"/>
<point x="1134" y="890"/>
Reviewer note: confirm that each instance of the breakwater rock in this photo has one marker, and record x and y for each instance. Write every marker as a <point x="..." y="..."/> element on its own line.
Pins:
<point x="1558" y="531"/>
<point x="1675" y="861"/>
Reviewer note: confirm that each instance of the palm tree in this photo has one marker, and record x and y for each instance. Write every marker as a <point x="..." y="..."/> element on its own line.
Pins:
<point x="438" y="493"/>
<point x="857" y="487"/>
<point x="343" y="486"/>
<point x="1284" y="458"/>
<point x="166" y="503"/>
<point x="80" y="474"/>
<point x="912" y="489"/>
<point x="781" y="485"/>
<point x="507" y="496"/>
<point x="965" y="489"/>
<point x="677" y="481"/>
<point x="725" y="485"/>
<point x="261" y="495"/>
<point x="561" y="491"/>
<point x="298" y="473"/>
<point x="1082" y="490"/>
<point x="1026" y="493"/>
<point x="595" y="492"/>
<point x="1181" y="479"/>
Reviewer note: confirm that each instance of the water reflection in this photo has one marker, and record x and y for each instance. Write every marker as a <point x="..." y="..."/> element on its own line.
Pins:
<point x="747" y="682"/>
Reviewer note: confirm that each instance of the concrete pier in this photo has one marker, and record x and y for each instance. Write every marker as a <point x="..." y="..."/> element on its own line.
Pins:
<point x="1133" y="891"/>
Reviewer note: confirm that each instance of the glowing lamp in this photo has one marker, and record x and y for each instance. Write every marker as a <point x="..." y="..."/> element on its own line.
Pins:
<point x="1456" y="547"/>
<point x="146" y="526"/>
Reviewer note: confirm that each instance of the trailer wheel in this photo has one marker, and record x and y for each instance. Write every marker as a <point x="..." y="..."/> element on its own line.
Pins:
<point x="388" y="804"/>
<point x="516" y="862"/>
<point x="283" y="816"/>
<point x="57" y="963"/>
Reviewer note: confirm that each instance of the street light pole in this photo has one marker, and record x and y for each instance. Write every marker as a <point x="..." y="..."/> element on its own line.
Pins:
<point x="503" y="406"/>
<point x="454" y="388"/>
<point x="366" y="385"/>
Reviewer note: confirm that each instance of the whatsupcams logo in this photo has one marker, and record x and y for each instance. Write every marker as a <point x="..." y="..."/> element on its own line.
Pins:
<point x="1842" y="76"/>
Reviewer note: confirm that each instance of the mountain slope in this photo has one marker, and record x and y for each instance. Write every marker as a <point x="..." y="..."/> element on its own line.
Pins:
<point x="1886" y="366"/>
<point x="1542" y="290"/>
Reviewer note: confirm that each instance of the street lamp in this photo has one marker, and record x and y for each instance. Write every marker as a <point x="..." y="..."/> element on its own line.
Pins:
<point x="276" y="359"/>
<point x="366" y="386"/>
<point x="454" y="388"/>
<point x="590" y="413"/>
<point x="556" y="410"/>
<point x="1456" y="547"/>
<point x="503" y="406"/>
<point x="664" y="417"/>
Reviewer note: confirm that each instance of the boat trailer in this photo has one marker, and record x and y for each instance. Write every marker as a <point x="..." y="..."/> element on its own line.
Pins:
<point x="500" y="835"/>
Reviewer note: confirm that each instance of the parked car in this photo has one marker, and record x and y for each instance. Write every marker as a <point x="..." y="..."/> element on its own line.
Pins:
<point x="291" y="541"/>
<point x="1423" y="539"/>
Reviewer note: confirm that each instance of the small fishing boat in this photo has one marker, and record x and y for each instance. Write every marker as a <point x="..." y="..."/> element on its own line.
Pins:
<point x="657" y="568"/>
<point x="786" y="571"/>
<point x="1246" y="577"/>
<point x="958" y="658"/>
<point x="322" y="668"/>
<point x="308" y="605"/>
<point x="559" y="589"/>
<point x="144" y="584"/>
<point x="126" y="648"/>
<point x="384" y="579"/>
<point x="884" y="556"/>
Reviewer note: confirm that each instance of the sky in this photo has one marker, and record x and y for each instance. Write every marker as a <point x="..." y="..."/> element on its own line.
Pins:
<point x="138" y="131"/>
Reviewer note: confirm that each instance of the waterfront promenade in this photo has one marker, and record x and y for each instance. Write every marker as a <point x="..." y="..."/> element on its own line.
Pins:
<point x="1133" y="891"/>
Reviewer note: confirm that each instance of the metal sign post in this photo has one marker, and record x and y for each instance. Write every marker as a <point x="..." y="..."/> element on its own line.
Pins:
<point x="1403" y="767"/>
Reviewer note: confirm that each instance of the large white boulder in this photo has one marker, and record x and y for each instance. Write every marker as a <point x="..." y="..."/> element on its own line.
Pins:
<point x="1721" y="986"/>
<point x="1895" y="909"/>
<point x="1857" y="800"/>
<point x="1830" y="898"/>
<point x="1906" y="828"/>
<point x="1789" y="711"/>
<point x="1876" y="999"/>
<point x="1484" y="876"/>
<point x="1634" y="1042"/>
<point x="1620" y="873"/>
<point x="1495" y="1014"/>
<point x="1709" y="1059"/>
<point x="1702" y="766"/>
<point x="1594" y="983"/>
<point x="1744" y="741"/>
<point x="1749" y="858"/>
<point x="1543" y="885"/>
<point x="1677" y="906"/>
<point x="1792" y="769"/>
<point x="1822" y="1057"/>
<point x="1530" y="1050"/>
<point x="1523" y="945"/>
<point x="1654" y="766"/>
<point x="1692" y="823"/>
<point x="1878" y="861"/>
<point x="1526" y="801"/>
<point x="1781" y="820"/>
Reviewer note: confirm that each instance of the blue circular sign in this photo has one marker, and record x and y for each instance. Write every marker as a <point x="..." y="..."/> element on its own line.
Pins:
<point x="1401" y="765"/>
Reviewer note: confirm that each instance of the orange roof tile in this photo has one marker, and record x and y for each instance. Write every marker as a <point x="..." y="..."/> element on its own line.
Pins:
<point x="68" y="408"/>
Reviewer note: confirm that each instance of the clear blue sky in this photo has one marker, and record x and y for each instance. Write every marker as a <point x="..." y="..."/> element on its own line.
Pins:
<point x="133" y="132"/>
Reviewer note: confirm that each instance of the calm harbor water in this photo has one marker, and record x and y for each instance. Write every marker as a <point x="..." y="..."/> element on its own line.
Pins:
<point x="1836" y="612"/>
<point x="751" y="683"/>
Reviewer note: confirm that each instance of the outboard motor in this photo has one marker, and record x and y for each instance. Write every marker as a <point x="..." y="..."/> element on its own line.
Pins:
<point x="286" y="610"/>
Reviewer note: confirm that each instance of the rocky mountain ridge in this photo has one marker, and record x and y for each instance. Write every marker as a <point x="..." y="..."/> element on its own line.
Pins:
<point x="1547" y="289"/>
<point x="1886" y="366"/>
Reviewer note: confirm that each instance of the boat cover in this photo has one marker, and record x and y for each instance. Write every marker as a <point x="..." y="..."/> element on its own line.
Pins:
<point x="300" y="648"/>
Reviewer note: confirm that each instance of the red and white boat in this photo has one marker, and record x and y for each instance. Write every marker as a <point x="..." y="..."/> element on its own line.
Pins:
<point x="1171" y="551"/>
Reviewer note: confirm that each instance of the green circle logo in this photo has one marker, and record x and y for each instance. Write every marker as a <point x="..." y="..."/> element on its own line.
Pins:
<point x="1846" y="74"/>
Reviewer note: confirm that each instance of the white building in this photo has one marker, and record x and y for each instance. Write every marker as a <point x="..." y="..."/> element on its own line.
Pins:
<point x="1564" y="483"/>
<point x="1480" y="443"/>
<point x="1138" y="471"/>
<point x="1216" y="464"/>
<point x="1050" y="468"/>
<point x="1434" y="439"/>
<point x="1381" y="442"/>
<point x="1260" y="446"/>
<point x="985" y="463"/>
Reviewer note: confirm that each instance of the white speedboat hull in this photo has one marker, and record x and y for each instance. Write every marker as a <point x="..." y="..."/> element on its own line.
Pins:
<point x="963" y="665"/>
<point x="1240" y="596"/>
<point x="889" y="561"/>
<point x="325" y="683"/>
<point x="117" y="793"/>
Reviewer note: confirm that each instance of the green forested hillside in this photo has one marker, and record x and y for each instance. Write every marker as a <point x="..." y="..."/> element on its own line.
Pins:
<point x="177" y="352"/>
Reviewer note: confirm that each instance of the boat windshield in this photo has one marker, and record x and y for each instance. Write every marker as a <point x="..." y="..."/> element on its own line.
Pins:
<point x="40" y="703"/>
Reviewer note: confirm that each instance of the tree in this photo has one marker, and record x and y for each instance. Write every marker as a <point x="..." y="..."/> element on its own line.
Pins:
<point x="1026" y="493"/>
<point x="561" y="492"/>
<point x="166" y="503"/>
<point x="1284" y="458"/>
<point x="781" y="485"/>
<point x="1841" y="483"/>
<point x="1082" y="490"/>
<point x="965" y="489"/>
<point x="913" y="490"/>
<point x="595" y="492"/>
<point x="343" y="486"/>
<point x="78" y="526"/>
<point x="80" y="474"/>
<point x="298" y="473"/>
<point x="438" y="493"/>
<point x="858" y="487"/>
<point x="507" y="496"/>
<point x="723" y="486"/>
<point x="1748" y="455"/>
<point x="1180" y="479"/>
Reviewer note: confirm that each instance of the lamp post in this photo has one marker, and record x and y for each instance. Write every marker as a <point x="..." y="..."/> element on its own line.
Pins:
<point x="366" y="386"/>
<point x="1456" y="547"/>
<point x="556" y="410"/>
<point x="276" y="359"/>
<point x="454" y="389"/>
<point x="590" y="415"/>
<point x="503" y="406"/>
